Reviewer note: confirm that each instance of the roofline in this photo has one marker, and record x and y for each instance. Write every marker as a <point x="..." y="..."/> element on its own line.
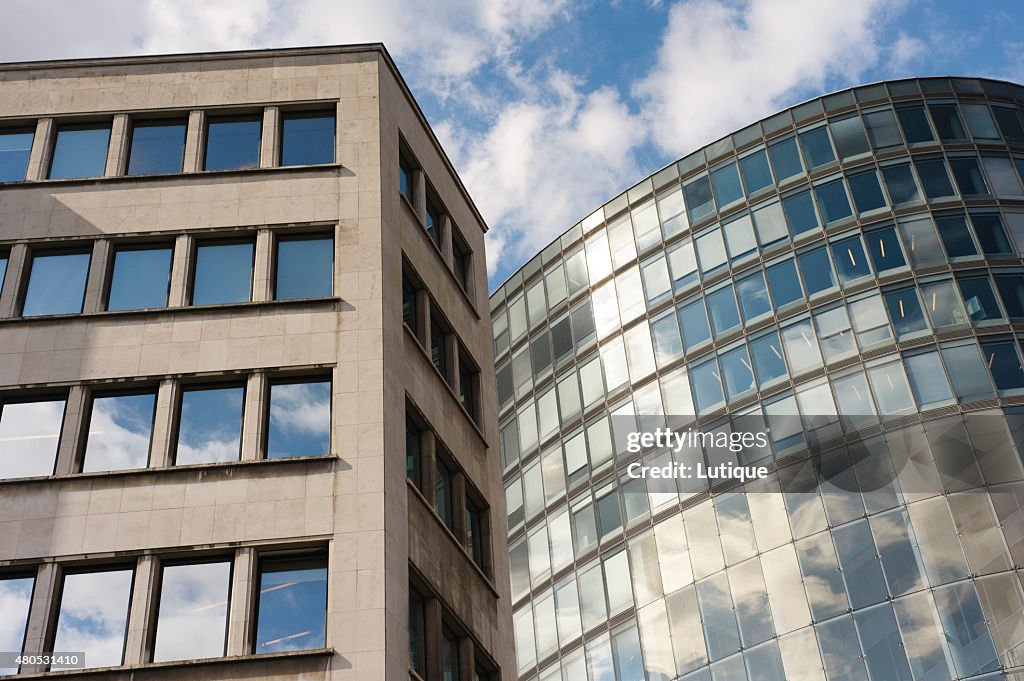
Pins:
<point x="264" y="53"/>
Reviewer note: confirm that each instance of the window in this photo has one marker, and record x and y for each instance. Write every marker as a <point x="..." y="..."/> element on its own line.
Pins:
<point x="443" y="493"/>
<point x="1002" y="176"/>
<point x="223" y="273"/>
<point x="979" y="299"/>
<point x="817" y="272"/>
<point x="739" y="237"/>
<point x="722" y="306"/>
<point x="832" y="201"/>
<point x="850" y="260"/>
<point x="468" y="378"/>
<point x="305" y="267"/>
<point x="867" y="194"/>
<point x="433" y="220"/>
<point x="968" y="176"/>
<point x="93" y="615"/>
<point x="800" y="213"/>
<point x="956" y="237"/>
<point x="801" y="346"/>
<point x="475" y="532"/>
<point x="737" y="372"/>
<point x="56" y="284"/>
<point x="979" y="122"/>
<point x="905" y="312"/>
<point x="835" y="334"/>
<point x="120" y="432"/>
<point x="193" y="613"/>
<point x="156" y="147"/>
<point x="15" y="146"/>
<point x="693" y="319"/>
<point x="291" y="612"/>
<point x="449" y="655"/>
<point x="699" y="202"/>
<point x="711" y="251"/>
<point x="672" y="211"/>
<point x="766" y="352"/>
<point x="756" y="173"/>
<point x="1011" y="291"/>
<point x="770" y="224"/>
<point x="80" y="151"/>
<point x="29" y="432"/>
<point x="947" y="122"/>
<point x="927" y="379"/>
<point x="1009" y="124"/>
<point x="3" y="269"/>
<point x="869" y="320"/>
<point x="438" y="347"/>
<point x="882" y="130"/>
<point x="141" y="277"/>
<point x="753" y="295"/>
<point x="707" y="386"/>
<point x="919" y="242"/>
<point x="405" y="178"/>
<point x="899" y="180"/>
<point x="417" y="633"/>
<point x="233" y="142"/>
<point x="410" y="310"/>
<point x="1003" y="361"/>
<point x="849" y="137"/>
<point x="299" y="422"/>
<point x="817" y="148"/>
<point x="727" y="185"/>
<point x="991" y="235"/>
<point x="943" y="304"/>
<point x="16" y="595"/>
<point x="785" y="159"/>
<point x="915" y="125"/>
<point x="884" y="247"/>
<point x="683" y="265"/>
<point x="784" y="283"/>
<point x="210" y="425"/>
<point x="413" y="451"/>
<point x="934" y="179"/>
<point x="307" y="138"/>
<point x="462" y="262"/>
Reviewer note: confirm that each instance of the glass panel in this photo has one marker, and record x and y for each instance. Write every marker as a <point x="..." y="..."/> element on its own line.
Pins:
<point x="920" y="243"/>
<point x="672" y="211"/>
<point x="30" y="432"/>
<point x="738" y="374"/>
<point x="300" y="419"/>
<point x="699" y="201"/>
<point x="15" y="146"/>
<point x="968" y="176"/>
<point x="956" y="237"/>
<point x="858" y="560"/>
<point x="967" y="371"/>
<point x="784" y="283"/>
<point x="657" y="283"/>
<point x="621" y="241"/>
<point x="56" y="284"/>
<point x="526" y="646"/>
<point x="884" y="247"/>
<point x="943" y="304"/>
<point x="800" y="213"/>
<point x="693" y="319"/>
<point x="915" y="125"/>
<point x="80" y="151"/>
<point x="822" y="578"/>
<point x="966" y="629"/>
<point x="905" y="312"/>
<point x="834" y="333"/>
<point x="307" y="138"/>
<point x="980" y="122"/>
<point x="756" y="173"/>
<point x="93" y="616"/>
<point x="849" y="137"/>
<point x="753" y="295"/>
<point x="882" y="129"/>
<point x="979" y="299"/>
<point x="192" y="619"/>
<point x="801" y="346"/>
<point x="928" y="379"/>
<point x="120" y="427"/>
<point x="567" y="611"/>
<point x="141" y="278"/>
<point x="305" y="268"/>
<point x="869" y="320"/>
<point x="707" y="386"/>
<point x="883" y="648"/>
<point x="816" y="269"/>
<point x="727" y="185"/>
<point x="1004" y="363"/>
<point x="722" y="306"/>
<point x="156" y="147"/>
<point x="292" y="611"/>
<point x="717" y="616"/>
<point x="947" y="122"/>
<point x="770" y="223"/>
<point x="16" y="596"/>
<point x="711" y="250"/>
<point x="1011" y="292"/>
<point x="1002" y="176"/>
<point x="867" y="194"/>
<point x="233" y="143"/>
<point x="991" y="235"/>
<point x="751" y="599"/>
<point x="923" y="637"/>
<point x="850" y="259"/>
<point x="840" y="651"/>
<point x="934" y="179"/>
<point x="223" y="273"/>
<point x="785" y="159"/>
<point x="665" y="334"/>
<point x="210" y="425"/>
<point x="817" y="148"/>
<point x="739" y="237"/>
<point x="899" y="180"/>
<point x="832" y="201"/>
<point x="897" y="546"/>
<point x="768" y="360"/>
<point x="683" y="263"/>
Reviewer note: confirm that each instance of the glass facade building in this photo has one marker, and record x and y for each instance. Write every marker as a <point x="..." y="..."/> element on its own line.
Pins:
<point x="849" y="274"/>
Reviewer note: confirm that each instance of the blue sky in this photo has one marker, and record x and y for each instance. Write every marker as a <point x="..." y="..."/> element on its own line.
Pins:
<point x="548" y="108"/>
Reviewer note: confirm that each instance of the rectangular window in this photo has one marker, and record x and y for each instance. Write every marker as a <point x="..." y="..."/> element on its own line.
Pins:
<point x="462" y="262"/>
<point x="727" y="185"/>
<point x="156" y="147"/>
<point x="943" y="304"/>
<point x="30" y="432"/>
<point x="193" y="612"/>
<point x="682" y="263"/>
<point x="934" y="179"/>
<point x="850" y="260"/>
<point x="919" y="242"/>
<point x="233" y="142"/>
<point x="711" y="251"/>
<point x="475" y="532"/>
<point x="307" y="138"/>
<point x="413" y="451"/>
<point x="739" y="237"/>
<point x="928" y="379"/>
<point x="120" y="432"/>
<point x="979" y="122"/>
<point x="292" y="604"/>
<point x="947" y="122"/>
<point x="956" y="237"/>
<point x="417" y="633"/>
<point x="849" y="136"/>
<point x="3" y="269"/>
<point x="817" y="148"/>
<point x="899" y="180"/>
<point x="817" y="271"/>
<point x="882" y="130"/>
<point x="785" y="159"/>
<point x="443" y="493"/>
<point x="410" y="311"/>
<point x="915" y="125"/>
<point x="766" y="352"/>
<point x="979" y="299"/>
<point x="93" y="615"/>
<point x="756" y="173"/>
<point x="304" y="267"/>
<point x="16" y="595"/>
<point x="707" y="386"/>
<point x="832" y="201"/>
<point x="438" y="347"/>
<point x="770" y="224"/>
<point x="1009" y="124"/>
<point x="784" y="283"/>
<point x="449" y="655"/>
<point x="299" y="419"/>
<point x="884" y="247"/>
<point x="210" y="425"/>
<point x="56" y="284"/>
<point x="834" y="333"/>
<point x="405" y="174"/>
<point x="140" y="278"/>
<point x="699" y="202"/>
<point x="905" y="312"/>
<point x="753" y="295"/>
<point x="80" y="151"/>
<point x="800" y="213"/>
<point x="223" y="273"/>
<point x="433" y="220"/>
<point x="468" y="377"/>
<point x="968" y="176"/>
<point x="693" y="319"/>
<point x="15" y="146"/>
<point x="867" y="194"/>
<point x="724" y="315"/>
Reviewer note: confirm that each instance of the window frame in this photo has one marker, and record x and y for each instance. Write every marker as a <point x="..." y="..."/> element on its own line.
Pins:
<point x="305" y="113"/>
<point x="291" y="379"/>
<point x="285" y="557"/>
<point x="141" y="121"/>
<point x="104" y="391"/>
<point x="280" y="237"/>
<point x="83" y="248"/>
<point x="153" y="628"/>
<point x="223" y="240"/>
<point x="128" y="246"/>
<point x="237" y="117"/>
<point x="177" y="413"/>
<point x="67" y="570"/>
<point x="73" y="125"/>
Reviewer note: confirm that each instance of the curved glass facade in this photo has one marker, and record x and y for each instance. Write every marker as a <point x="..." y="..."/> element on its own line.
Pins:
<point x="849" y="274"/>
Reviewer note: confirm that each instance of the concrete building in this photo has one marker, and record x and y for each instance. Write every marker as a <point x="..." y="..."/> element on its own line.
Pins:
<point x="247" y="426"/>
<point x="845" y="276"/>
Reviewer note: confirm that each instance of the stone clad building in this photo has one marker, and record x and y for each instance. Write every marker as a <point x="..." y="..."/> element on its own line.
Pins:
<point x="239" y="289"/>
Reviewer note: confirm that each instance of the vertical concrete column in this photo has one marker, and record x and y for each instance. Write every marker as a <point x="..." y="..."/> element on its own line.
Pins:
<point x="270" y="140"/>
<point x="143" y="592"/>
<point x="162" y="449"/>
<point x="181" y="271"/>
<point x="432" y="637"/>
<point x="117" y="150"/>
<point x="252" y="419"/>
<point x="39" y="614"/>
<point x="446" y="237"/>
<point x="467" y="659"/>
<point x="242" y="578"/>
<point x="72" y="431"/>
<point x="17" y="261"/>
<point x="419" y="194"/>
<point x="195" y="140"/>
<point x="428" y="465"/>
<point x="42" y="150"/>
<point x="262" y="274"/>
<point x="99" y="265"/>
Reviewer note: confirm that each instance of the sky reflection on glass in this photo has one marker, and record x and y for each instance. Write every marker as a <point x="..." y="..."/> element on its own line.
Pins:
<point x="192" y="621"/>
<point x="211" y="425"/>
<point x="292" y="610"/>
<point x="305" y="268"/>
<point x="14" y="151"/>
<point x="80" y="152"/>
<point x="223" y="274"/>
<point x="300" y="419"/>
<point x="141" y="279"/>
<point x="157" y="147"/>
<point x="56" y="284"/>
<point x="94" y="616"/>
<point x="15" y="596"/>
<point x="307" y="139"/>
<point x="119" y="432"/>
<point x="29" y="433"/>
<point x="233" y="143"/>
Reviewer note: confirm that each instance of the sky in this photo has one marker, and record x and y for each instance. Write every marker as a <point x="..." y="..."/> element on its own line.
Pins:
<point x="549" y="108"/>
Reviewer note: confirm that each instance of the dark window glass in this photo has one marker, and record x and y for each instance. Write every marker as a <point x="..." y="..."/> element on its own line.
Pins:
<point x="934" y="179"/>
<point x="817" y="148"/>
<point x="300" y="419"/>
<point x="867" y="194"/>
<point x="727" y="185"/>
<point x="233" y="143"/>
<point x="467" y="386"/>
<point x="443" y="492"/>
<point x="991" y="235"/>
<point x="1009" y="124"/>
<point x="474" y="532"/>
<point x="193" y="613"/>
<point x="722" y="305"/>
<point x="449" y="656"/>
<point x="968" y="176"/>
<point x="561" y="338"/>
<point x="56" y="284"/>
<point x="120" y="429"/>
<point x="817" y="272"/>
<point x="905" y="312"/>
<point x="849" y="136"/>
<point x="693" y="320"/>
<point x="433" y="222"/>
<point x="884" y="247"/>
<point x="882" y="130"/>
<point x="800" y="213"/>
<point x="947" y="122"/>
<point x="405" y="178"/>
<point x="1011" y="290"/>
<point x="93" y="615"/>
<point x="461" y="263"/>
<point x="979" y="122"/>
<point x="737" y="372"/>
<point x="30" y="432"/>
<point x="3" y="269"/>
<point x="141" y="278"/>
<point x="292" y="611"/>
<point x="1003" y="362"/>
<point x="979" y="299"/>
<point x="223" y="273"/>
<point x="16" y="595"/>
<point x="785" y="159"/>
<point x="417" y="633"/>
<point x="156" y="147"/>
<point x="784" y="283"/>
<point x="850" y="260"/>
<point x="753" y="295"/>
<point x="899" y="180"/>
<point x="307" y="138"/>
<point x="15" y="146"/>
<point x="768" y="359"/>
<point x="583" y="323"/>
<point x="756" y="173"/>
<point x="438" y="352"/>
<point x="305" y="267"/>
<point x="698" y="198"/>
<point x="413" y="456"/>
<point x="210" y="425"/>
<point x="915" y="125"/>
<point x="956" y="237"/>
<point x="833" y="202"/>
<point x="609" y="514"/>
<point x="80" y="151"/>
<point x="410" y="315"/>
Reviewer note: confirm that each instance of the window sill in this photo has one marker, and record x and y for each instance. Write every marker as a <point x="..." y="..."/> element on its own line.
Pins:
<point x="78" y="181"/>
<point x="220" y="307"/>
